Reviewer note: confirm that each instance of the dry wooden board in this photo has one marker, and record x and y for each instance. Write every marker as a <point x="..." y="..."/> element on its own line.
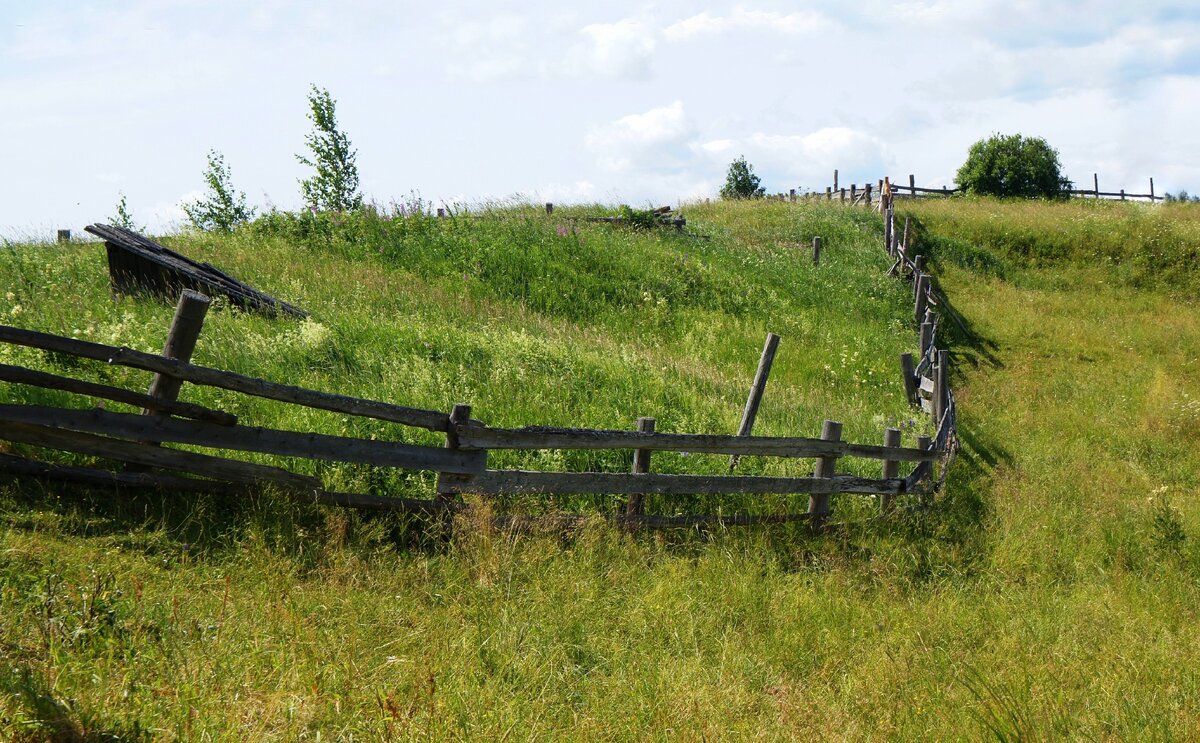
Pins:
<point x="137" y="264"/>
<point x="518" y="482"/>
<point x="21" y="375"/>
<point x="218" y="468"/>
<point x="247" y="438"/>
<point x="479" y="437"/>
<point x="429" y="419"/>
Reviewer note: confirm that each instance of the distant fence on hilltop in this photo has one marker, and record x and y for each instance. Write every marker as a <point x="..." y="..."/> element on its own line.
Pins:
<point x="869" y="193"/>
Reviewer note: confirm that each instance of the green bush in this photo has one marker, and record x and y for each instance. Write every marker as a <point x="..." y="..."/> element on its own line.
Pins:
<point x="224" y="208"/>
<point x="741" y="182"/>
<point x="1013" y="166"/>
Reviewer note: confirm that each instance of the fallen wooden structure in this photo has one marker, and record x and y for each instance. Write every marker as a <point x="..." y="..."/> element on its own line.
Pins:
<point x="663" y="215"/>
<point x="144" y="438"/>
<point x="138" y="265"/>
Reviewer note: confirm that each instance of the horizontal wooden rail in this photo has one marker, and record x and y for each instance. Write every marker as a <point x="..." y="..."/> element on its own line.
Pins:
<point x="478" y="437"/>
<point x="428" y="419"/>
<point x="90" y="476"/>
<point x="246" y="438"/>
<point x="518" y="482"/>
<point x="230" y="470"/>
<point x="21" y="375"/>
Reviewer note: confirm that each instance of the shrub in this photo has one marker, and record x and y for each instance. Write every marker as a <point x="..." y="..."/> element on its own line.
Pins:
<point x="741" y="182"/>
<point x="334" y="187"/>
<point x="1013" y="166"/>
<point x="224" y="208"/>
<point x="123" y="217"/>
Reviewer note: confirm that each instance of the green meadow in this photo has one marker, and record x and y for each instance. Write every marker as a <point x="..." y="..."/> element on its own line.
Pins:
<point x="1051" y="591"/>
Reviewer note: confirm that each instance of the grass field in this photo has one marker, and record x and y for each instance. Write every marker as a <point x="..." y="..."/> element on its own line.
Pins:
<point x="1052" y="592"/>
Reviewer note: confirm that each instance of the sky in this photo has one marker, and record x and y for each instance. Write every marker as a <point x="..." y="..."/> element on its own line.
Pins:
<point x="616" y="102"/>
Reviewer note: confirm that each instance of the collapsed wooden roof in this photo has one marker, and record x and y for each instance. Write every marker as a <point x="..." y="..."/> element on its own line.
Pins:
<point x="137" y="264"/>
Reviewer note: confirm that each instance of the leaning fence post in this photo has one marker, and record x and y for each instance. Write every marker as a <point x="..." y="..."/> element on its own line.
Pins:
<point x="909" y="372"/>
<point x="757" y="388"/>
<point x="818" y="503"/>
<point x="641" y="466"/>
<point x="816" y="251"/>
<point x="891" y="470"/>
<point x="181" y="342"/>
<point x="921" y="297"/>
<point x="1151" y="197"/>
<point x="1096" y="184"/>
<point x="939" y="387"/>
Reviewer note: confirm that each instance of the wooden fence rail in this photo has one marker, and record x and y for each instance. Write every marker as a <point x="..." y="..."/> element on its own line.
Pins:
<point x="461" y="464"/>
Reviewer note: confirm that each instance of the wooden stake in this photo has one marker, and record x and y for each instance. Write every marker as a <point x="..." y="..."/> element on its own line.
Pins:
<point x="1151" y="196"/>
<point x="912" y="184"/>
<point x="939" y="386"/>
<point x="909" y="372"/>
<point x="904" y="245"/>
<point x="549" y="207"/>
<point x="835" y="180"/>
<point x="460" y="415"/>
<point x="891" y="468"/>
<point x="64" y="236"/>
<point x="926" y="443"/>
<point x="926" y="337"/>
<point x="181" y="342"/>
<point x="757" y="388"/>
<point x="792" y="195"/>
<point x="1096" y="184"/>
<point x="818" y="503"/>
<point x="922" y="297"/>
<point x="816" y="251"/>
<point x="641" y="466"/>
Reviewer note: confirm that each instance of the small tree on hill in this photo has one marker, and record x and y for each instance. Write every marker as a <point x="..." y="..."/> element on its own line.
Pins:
<point x="334" y="187"/>
<point x="741" y="182"/>
<point x="1013" y="166"/>
<point x="224" y="208"/>
<point x="123" y="217"/>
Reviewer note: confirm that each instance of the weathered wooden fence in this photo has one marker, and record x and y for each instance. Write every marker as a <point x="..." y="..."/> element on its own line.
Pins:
<point x="867" y="192"/>
<point x="461" y="465"/>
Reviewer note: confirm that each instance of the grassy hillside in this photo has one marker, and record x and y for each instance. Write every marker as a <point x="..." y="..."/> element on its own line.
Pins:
<point x="1052" y="593"/>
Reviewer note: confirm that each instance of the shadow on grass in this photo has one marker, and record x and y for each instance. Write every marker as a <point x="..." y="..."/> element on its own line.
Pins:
<point x="46" y="717"/>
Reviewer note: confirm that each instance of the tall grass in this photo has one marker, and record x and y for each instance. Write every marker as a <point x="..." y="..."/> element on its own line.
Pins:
<point x="1050" y="593"/>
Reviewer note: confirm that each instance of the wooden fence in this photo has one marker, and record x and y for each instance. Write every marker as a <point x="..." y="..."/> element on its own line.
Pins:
<point x="461" y="465"/>
<point x="863" y="194"/>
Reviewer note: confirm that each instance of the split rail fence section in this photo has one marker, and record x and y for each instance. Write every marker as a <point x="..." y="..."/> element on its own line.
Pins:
<point x="135" y="441"/>
<point x="863" y="195"/>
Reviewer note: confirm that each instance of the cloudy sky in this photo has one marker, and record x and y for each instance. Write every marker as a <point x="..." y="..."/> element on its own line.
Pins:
<point x="557" y="101"/>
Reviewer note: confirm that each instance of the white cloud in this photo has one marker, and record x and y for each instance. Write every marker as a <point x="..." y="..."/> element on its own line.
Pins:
<point x="619" y="50"/>
<point x="805" y="159"/>
<point x="655" y="138"/>
<point x="800" y="21"/>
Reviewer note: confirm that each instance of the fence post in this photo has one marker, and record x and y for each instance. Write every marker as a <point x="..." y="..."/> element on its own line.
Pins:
<point x="926" y="337"/>
<point x="816" y="251"/>
<point x="181" y="342"/>
<point x="925" y="443"/>
<point x="829" y="192"/>
<point x="853" y="192"/>
<point x="919" y="303"/>
<point x="64" y="236"/>
<point x="867" y="191"/>
<point x="757" y="388"/>
<point x="939" y="386"/>
<point x="835" y="179"/>
<point x="1151" y="199"/>
<point x="441" y="212"/>
<point x="818" y="503"/>
<point x="912" y="184"/>
<point x="792" y="195"/>
<point x="904" y="245"/>
<point x="460" y="415"/>
<point x="1122" y="194"/>
<point x="641" y="466"/>
<point x="549" y="207"/>
<point x="1096" y="184"/>
<point x="842" y="195"/>
<point x="891" y="469"/>
<point x="909" y="372"/>
<point x="918" y="267"/>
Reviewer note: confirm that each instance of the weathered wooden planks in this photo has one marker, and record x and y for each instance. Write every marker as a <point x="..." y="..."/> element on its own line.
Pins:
<point x="21" y="375"/>
<point x="219" y="468"/>
<point x="520" y="482"/>
<point x="429" y="419"/>
<point x="137" y="264"/>
<point x="246" y="438"/>
<point x="479" y="437"/>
